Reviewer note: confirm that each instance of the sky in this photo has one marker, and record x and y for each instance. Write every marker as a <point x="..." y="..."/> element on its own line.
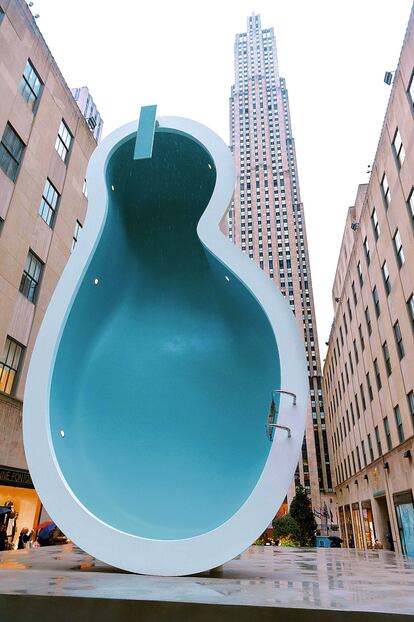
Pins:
<point x="179" y="55"/>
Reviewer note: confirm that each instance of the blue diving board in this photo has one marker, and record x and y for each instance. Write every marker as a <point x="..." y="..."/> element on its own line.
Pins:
<point x="145" y="133"/>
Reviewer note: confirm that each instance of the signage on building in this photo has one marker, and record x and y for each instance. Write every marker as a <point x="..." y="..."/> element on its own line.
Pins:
<point x="15" y="477"/>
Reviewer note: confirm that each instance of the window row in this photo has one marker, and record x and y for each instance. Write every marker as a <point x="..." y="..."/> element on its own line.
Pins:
<point x="343" y="473"/>
<point x="12" y="149"/>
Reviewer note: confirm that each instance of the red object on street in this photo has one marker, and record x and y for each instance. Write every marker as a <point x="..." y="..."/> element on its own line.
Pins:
<point x="45" y="524"/>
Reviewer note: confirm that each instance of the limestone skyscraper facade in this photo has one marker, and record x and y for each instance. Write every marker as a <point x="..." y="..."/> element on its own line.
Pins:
<point x="267" y="222"/>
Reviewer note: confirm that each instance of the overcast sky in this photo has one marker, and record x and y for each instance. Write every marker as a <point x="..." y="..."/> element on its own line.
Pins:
<point x="179" y="55"/>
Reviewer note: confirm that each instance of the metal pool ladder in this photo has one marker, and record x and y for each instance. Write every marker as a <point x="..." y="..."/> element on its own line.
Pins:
<point x="272" y="417"/>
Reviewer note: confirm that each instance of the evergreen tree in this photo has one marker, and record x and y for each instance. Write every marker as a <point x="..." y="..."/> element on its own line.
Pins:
<point x="301" y="511"/>
<point x="286" y="531"/>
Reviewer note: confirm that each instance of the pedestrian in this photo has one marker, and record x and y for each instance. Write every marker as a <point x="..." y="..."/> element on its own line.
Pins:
<point x="378" y="544"/>
<point x="3" y="538"/>
<point x="23" y="538"/>
<point x="57" y="537"/>
<point x="388" y="537"/>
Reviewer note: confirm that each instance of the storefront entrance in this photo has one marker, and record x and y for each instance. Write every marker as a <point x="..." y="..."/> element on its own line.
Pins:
<point x="368" y="521"/>
<point x="404" y="509"/>
<point x="383" y="524"/>
<point x="342" y="525"/>
<point x="349" y="529"/>
<point x="19" y="504"/>
<point x="356" y="516"/>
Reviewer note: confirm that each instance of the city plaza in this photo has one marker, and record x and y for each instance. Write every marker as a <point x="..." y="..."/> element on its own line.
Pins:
<point x="356" y="456"/>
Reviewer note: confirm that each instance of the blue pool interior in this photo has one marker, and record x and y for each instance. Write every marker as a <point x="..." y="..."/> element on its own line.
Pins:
<point x="163" y="375"/>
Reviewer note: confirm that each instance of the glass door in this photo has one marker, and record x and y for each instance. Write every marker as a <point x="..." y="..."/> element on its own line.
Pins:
<point x="349" y="528"/>
<point x="368" y="523"/>
<point x="359" y="538"/>
<point x="405" y="518"/>
<point x="342" y="524"/>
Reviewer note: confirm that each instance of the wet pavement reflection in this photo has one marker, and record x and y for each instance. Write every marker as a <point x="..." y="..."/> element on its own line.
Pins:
<point x="340" y="579"/>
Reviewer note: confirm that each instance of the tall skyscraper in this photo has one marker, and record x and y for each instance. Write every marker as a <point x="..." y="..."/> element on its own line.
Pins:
<point x="89" y="110"/>
<point x="267" y="221"/>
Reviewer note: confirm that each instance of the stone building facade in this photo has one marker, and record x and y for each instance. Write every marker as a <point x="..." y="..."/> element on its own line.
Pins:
<point x="369" y="368"/>
<point x="45" y="145"/>
<point x="267" y="222"/>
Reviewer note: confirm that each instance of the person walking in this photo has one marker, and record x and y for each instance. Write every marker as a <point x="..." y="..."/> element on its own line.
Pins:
<point x="24" y="537"/>
<point x="3" y="538"/>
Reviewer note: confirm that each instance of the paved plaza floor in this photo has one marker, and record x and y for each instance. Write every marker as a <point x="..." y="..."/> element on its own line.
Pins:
<point x="283" y="583"/>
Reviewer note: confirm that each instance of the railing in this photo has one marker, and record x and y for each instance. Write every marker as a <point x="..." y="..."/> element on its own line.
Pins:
<point x="273" y="415"/>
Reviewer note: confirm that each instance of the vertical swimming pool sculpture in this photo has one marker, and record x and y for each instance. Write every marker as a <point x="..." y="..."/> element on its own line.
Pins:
<point x="146" y="412"/>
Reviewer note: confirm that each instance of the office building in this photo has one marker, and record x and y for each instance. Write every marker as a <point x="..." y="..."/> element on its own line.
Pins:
<point x="45" y="145"/>
<point x="267" y="222"/>
<point x="89" y="110"/>
<point x="369" y="367"/>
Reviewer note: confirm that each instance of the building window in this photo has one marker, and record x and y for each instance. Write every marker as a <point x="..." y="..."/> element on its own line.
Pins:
<point x="358" y="458"/>
<point x="31" y="276"/>
<point x="352" y="412"/>
<point x="76" y="232"/>
<point x="9" y="365"/>
<point x="375" y="224"/>
<point x="48" y="204"/>
<point x="354" y="294"/>
<point x="386" y="277"/>
<point x="387" y="433"/>
<point x="30" y="84"/>
<point x="385" y="190"/>
<point x="361" y="390"/>
<point x="368" y="321"/>
<point x="398" y="248"/>
<point x="398" y="421"/>
<point x="345" y="324"/>
<point x="371" y="451"/>
<point x="63" y="141"/>
<point x="366" y="250"/>
<point x="360" y="277"/>
<point x="356" y="352"/>
<point x="349" y="310"/>
<point x="364" y="455"/>
<point x="387" y="359"/>
<point x="11" y="152"/>
<point x="410" y="398"/>
<point x="410" y="307"/>
<point x="377" y="374"/>
<point x="411" y="89"/>
<point x="398" y="147"/>
<point x="370" y="393"/>
<point x="410" y="203"/>
<point x="399" y="340"/>
<point x="361" y="338"/>
<point x="378" y="439"/>
<point x="376" y="301"/>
